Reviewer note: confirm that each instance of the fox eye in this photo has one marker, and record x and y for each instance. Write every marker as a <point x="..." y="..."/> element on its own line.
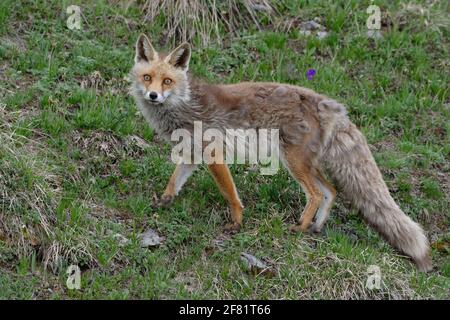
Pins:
<point x="147" y="77"/>
<point x="167" y="81"/>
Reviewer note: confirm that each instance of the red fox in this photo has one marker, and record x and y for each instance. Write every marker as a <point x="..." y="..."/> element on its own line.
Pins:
<point x="316" y="136"/>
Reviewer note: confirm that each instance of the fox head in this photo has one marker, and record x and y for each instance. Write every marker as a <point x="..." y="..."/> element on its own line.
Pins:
<point x="159" y="78"/>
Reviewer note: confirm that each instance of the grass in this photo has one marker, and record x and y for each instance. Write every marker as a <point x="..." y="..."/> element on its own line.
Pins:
<point x="80" y="168"/>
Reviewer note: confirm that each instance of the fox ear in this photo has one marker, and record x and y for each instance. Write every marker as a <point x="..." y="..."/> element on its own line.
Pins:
<point x="145" y="50"/>
<point x="180" y="57"/>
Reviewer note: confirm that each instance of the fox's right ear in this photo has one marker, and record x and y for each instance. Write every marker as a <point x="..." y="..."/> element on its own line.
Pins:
<point x="145" y="50"/>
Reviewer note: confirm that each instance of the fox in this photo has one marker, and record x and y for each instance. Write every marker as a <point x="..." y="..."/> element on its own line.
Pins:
<point x="316" y="138"/>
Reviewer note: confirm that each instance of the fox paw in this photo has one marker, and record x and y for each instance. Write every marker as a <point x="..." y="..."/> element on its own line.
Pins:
<point x="232" y="227"/>
<point x="315" y="228"/>
<point x="166" y="200"/>
<point x="298" y="228"/>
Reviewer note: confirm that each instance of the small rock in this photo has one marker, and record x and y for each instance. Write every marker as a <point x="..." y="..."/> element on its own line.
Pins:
<point x="305" y="32"/>
<point x="104" y="146"/>
<point x="311" y="25"/>
<point x="322" y="34"/>
<point x="260" y="7"/>
<point x="374" y="34"/>
<point x="150" y="238"/>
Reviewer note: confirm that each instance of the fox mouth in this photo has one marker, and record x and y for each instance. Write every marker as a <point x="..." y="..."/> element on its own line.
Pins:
<point x="155" y="101"/>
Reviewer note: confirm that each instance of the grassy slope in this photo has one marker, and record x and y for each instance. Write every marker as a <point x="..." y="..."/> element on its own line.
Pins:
<point x="74" y="183"/>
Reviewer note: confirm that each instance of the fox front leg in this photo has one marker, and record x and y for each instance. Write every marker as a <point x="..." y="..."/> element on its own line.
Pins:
<point x="177" y="180"/>
<point x="224" y="181"/>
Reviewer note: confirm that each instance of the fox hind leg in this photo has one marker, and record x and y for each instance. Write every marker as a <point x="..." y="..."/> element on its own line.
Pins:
<point x="302" y="170"/>
<point x="329" y="194"/>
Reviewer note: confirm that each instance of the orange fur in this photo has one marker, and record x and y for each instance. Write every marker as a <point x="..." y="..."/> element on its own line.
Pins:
<point x="224" y="181"/>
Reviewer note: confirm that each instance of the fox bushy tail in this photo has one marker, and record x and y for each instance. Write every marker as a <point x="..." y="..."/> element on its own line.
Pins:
<point x="352" y="165"/>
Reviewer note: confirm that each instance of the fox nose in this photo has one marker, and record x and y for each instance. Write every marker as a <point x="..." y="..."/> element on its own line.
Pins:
<point x="153" y="95"/>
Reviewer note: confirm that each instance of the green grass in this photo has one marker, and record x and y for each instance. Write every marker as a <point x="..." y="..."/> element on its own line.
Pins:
<point x="74" y="181"/>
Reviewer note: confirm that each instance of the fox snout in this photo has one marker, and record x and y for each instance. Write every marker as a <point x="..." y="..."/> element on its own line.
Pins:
<point x="154" y="97"/>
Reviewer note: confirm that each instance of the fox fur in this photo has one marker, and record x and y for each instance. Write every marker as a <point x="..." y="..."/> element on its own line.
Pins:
<point x="315" y="133"/>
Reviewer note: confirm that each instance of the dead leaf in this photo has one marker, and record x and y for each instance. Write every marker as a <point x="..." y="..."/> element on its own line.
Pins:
<point x="256" y="266"/>
<point x="441" y="246"/>
<point x="137" y="141"/>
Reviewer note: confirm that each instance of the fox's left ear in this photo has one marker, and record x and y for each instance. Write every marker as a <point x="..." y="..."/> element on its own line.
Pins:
<point x="180" y="57"/>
